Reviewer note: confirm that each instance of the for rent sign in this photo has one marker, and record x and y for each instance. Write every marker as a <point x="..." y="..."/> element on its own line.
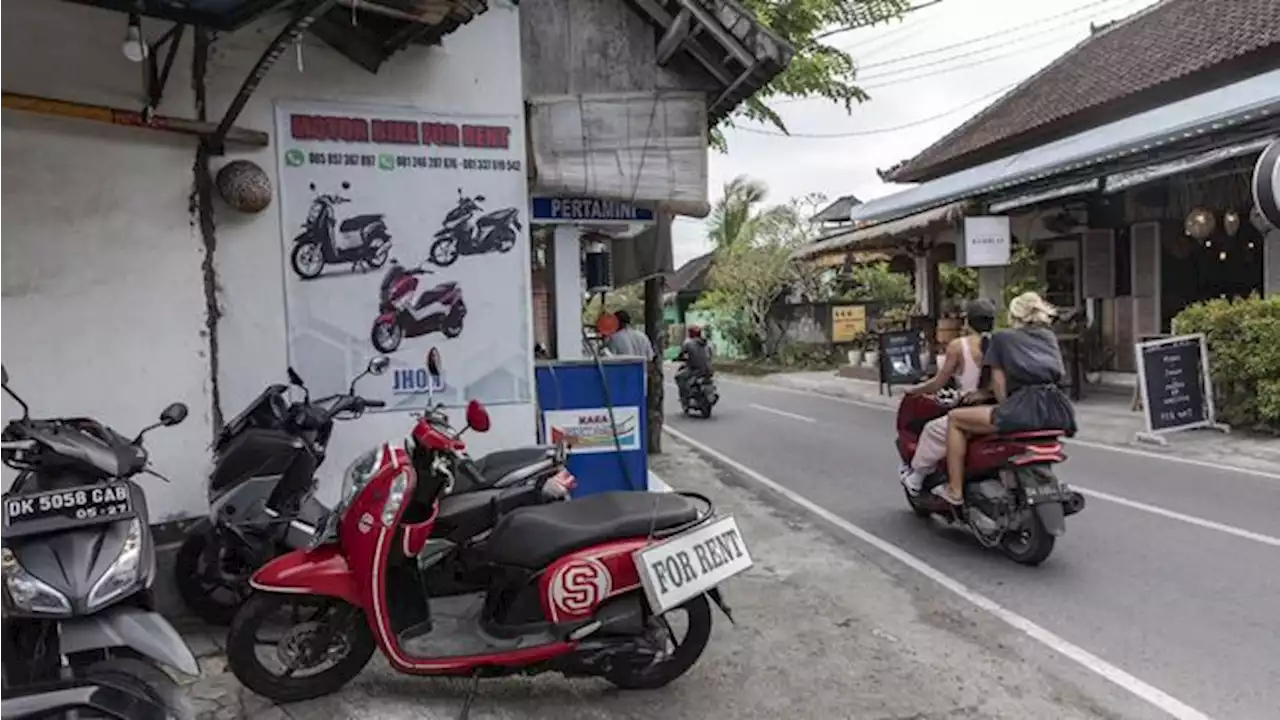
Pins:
<point x="692" y="563"/>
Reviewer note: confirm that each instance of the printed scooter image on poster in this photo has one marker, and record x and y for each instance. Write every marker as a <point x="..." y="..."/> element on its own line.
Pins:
<point x="361" y="240"/>
<point x="412" y="307"/>
<point x="377" y="207"/>
<point x="461" y="235"/>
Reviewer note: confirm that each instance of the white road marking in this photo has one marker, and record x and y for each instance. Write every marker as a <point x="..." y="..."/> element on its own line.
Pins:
<point x="1086" y="659"/>
<point x="657" y="484"/>
<point x="783" y="413"/>
<point x="1190" y="519"/>
<point x="1073" y="441"/>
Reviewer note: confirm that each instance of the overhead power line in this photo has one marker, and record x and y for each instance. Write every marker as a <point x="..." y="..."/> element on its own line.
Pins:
<point x="997" y="34"/>
<point x="877" y="131"/>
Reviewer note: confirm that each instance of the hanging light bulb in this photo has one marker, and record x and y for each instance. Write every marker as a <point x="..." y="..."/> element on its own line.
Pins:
<point x="1222" y="256"/>
<point x="133" y="46"/>
<point x="1231" y="223"/>
<point x="1200" y="223"/>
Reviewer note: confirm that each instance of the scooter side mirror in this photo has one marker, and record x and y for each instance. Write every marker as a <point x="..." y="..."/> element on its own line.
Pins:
<point x="295" y="378"/>
<point x="4" y="371"/>
<point x="479" y="198"/>
<point x="346" y="185"/>
<point x="312" y="186"/>
<point x="433" y="363"/>
<point x="477" y="417"/>
<point x="379" y="365"/>
<point x="173" y="415"/>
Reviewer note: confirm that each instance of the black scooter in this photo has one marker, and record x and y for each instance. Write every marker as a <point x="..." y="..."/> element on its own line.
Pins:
<point x="699" y="394"/>
<point x="81" y="637"/>
<point x="361" y="240"/>
<point x="493" y="232"/>
<point x="261" y="491"/>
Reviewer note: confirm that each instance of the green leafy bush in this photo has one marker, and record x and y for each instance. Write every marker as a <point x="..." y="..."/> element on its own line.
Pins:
<point x="1244" y="357"/>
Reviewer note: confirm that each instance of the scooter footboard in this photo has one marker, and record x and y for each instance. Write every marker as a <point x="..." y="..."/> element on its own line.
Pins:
<point x="323" y="571"/>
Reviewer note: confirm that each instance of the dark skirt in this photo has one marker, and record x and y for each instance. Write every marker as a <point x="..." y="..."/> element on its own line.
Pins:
<point x="1035" y="407"/>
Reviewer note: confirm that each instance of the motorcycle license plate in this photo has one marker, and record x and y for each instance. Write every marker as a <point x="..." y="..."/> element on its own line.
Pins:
<point x="76" y="506"/>
<point x="1052" y="491"/>
<point x="691" y="563"/>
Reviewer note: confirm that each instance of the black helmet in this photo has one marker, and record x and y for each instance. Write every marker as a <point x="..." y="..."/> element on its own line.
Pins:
<point x="980" y="308"/>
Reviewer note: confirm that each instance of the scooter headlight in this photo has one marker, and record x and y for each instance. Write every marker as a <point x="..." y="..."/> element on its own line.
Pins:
<point x="28" y="592"/>
<point x="358" y="474"/>
<point x="123" y="573"/>
<point x="395" y="498"/>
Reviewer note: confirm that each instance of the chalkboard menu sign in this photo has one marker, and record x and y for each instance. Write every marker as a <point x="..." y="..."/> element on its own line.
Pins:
<point x="1173" y="377"/>
<point x="899" y="357"/>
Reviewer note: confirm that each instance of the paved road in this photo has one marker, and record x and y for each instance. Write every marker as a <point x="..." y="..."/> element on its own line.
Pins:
<point x="1185" y="600"/>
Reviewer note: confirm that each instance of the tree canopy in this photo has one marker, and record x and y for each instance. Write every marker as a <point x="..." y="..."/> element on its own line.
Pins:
<point x="818" y="68"/>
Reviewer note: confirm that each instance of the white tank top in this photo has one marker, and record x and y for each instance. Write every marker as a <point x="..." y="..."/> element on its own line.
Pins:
<point x="970" y="371"/>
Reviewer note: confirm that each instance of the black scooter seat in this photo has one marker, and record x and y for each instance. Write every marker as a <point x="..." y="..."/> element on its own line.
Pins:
<point x="500" y="463"/>
<point x="533" y="537"/>
<point x="356" y="222"/>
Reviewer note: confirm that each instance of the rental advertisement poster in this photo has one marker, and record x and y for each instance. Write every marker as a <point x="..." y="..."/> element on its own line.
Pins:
<point x="405" y="230"/>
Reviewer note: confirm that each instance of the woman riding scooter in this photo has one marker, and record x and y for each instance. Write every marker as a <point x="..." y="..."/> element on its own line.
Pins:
<point x="1026" y="366"/>
<point x="963" y="363"/>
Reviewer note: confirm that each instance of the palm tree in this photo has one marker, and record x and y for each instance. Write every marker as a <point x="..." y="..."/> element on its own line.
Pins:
<point x="736" y="218"/>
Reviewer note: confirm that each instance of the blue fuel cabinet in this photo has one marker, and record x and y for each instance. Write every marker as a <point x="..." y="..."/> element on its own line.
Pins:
<point x="606" y="450"/>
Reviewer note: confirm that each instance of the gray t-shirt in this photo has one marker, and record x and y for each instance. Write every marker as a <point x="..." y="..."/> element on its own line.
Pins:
<point x="1028" y="356"/>
<point x="631" y="342"/>
<point x="697" y="354"/>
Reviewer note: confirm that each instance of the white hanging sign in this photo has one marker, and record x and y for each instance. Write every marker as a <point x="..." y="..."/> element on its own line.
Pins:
<point x="1266" y="184"/>
<point x="987" y="240"/>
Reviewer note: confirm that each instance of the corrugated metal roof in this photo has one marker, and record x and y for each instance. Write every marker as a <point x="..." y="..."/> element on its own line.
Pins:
<point x="887" y="232"/>
<point x="1246" y="101"/>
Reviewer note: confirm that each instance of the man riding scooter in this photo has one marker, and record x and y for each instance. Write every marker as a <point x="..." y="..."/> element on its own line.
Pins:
<point x="694" y="378"/>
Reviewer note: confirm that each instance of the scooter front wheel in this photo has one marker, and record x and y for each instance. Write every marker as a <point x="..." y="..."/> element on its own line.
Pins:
<point x="444" y="252"/>
<point x="149" y="683"/>
<point x="318" y="643"/>
<point x="307" y="260"/>
<point x="386" y="336"/>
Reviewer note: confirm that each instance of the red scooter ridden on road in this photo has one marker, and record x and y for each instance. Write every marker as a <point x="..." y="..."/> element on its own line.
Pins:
<point x="584" y="588"/>
<point x="1012" y="498"/>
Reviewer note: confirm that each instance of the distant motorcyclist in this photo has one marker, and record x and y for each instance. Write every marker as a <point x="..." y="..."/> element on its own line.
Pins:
<point x="695" y="353"/>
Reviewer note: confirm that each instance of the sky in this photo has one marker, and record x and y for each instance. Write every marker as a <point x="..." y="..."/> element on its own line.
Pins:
<point x="930" y="71"/>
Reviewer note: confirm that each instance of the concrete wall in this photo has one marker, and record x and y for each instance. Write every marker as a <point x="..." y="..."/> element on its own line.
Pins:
<point x="103" y="285"/>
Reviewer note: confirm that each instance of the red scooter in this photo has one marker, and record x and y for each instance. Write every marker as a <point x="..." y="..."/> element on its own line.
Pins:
<point x="1012" y="498"/>
<point x="583" y="588"/>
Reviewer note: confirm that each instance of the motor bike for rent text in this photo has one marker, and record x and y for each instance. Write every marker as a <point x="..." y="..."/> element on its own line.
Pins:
<point x="1012" y="498"/>
<point x="361" y="240"/>
<point x="700" y="395"/>
<point x="407" y="307"/>
<point x="584" y="588"/>
<point x="80" y="635"/>
<point x="495" y="231"/>
<point x="262" y="490"/>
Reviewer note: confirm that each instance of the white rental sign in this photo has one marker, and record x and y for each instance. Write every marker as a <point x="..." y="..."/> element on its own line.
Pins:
<point x="689" y="564"/>
<point x="987" y="241"/>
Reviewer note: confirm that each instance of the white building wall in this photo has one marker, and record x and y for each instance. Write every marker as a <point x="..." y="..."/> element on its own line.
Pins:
<point x="103" y="287"/>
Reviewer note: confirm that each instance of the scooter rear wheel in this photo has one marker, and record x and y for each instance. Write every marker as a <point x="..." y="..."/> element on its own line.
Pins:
<point x="681" y="660"/>
<point x="352" y="643"/>
<point x="214" y="602"/>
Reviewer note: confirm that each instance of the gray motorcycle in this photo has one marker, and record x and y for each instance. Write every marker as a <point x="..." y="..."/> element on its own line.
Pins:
<point x="80" y="635"/>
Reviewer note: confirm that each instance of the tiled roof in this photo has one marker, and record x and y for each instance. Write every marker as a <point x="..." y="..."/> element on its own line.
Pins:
<point x="837" y="211"/>
<point x="1129" y="66"/>
<point x="691" y="277"/>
